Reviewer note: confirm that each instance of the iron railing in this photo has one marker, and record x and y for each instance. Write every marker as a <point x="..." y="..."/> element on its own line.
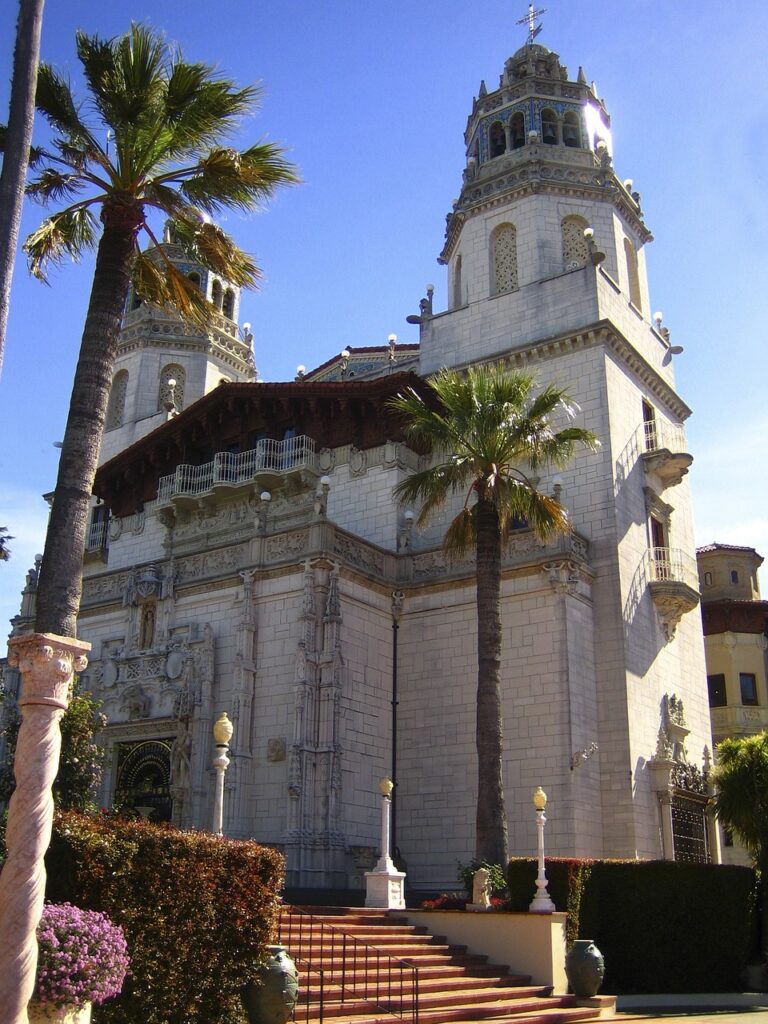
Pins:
<point x="672" y="565"/>
<point x="232" y="469"/>
<point x="656" y="434"/>
<point x="310" y="1005"/>
<point x="353" y="970"/>
<point x="97" y="536"/>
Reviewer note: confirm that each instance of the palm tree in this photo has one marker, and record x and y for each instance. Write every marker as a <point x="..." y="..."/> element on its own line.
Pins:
<point x="5" y="551"/>
<point x="15" y="142"/>
<point x="490" y="433"/>
<point x="168" y="121"/>
<point x="740" y="777"/>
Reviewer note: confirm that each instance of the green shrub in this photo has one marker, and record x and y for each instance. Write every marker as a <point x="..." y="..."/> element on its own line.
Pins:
<point x="466" y="874"/>
<point x="661" y="926"/>
<point x="197" y="911"/>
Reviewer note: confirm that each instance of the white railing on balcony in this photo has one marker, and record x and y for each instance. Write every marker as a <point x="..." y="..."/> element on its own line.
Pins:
<point x="232" y="469"/>
<point x="97" y="536"/>
<point x="655" y="434"/>
<point x="672" y="565"/>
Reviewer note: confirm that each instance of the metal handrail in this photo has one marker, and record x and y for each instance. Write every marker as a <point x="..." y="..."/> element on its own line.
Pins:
<point x="309" y="1004"/>
<point x="672" y="565"/>
<point x="359" y="969"/>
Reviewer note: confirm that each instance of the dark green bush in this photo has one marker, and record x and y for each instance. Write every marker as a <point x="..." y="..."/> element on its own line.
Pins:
<point x="661" y="926"/>
<point x="197" y="910"/>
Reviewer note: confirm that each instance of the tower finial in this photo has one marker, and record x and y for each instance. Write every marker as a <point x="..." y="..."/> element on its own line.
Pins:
<point x="530" y="21"/>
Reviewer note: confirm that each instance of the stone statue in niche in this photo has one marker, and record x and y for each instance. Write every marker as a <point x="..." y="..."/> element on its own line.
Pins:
<point x="147" y="627"/>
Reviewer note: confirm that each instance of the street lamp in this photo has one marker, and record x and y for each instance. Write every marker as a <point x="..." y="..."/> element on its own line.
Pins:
<point x="385" y="885"/>
<point x="541" y="903"/>
<point x="222" y="734"/>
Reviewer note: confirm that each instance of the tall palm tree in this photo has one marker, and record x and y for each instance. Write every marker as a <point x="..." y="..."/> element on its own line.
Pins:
<point x="740" y="777"/>
<point x="154" y="141"/>
<point x="15" y="142"/>
<point x="490" y="433"/>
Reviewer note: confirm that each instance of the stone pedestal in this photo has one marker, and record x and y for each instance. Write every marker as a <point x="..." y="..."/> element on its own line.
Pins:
<point x="385" y="889"/>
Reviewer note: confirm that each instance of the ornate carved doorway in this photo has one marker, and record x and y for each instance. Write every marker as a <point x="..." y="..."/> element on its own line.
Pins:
<point x="143" y="778"/>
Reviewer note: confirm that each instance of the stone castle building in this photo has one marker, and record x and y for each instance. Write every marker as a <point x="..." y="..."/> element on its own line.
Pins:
<point x="247" y="554"/>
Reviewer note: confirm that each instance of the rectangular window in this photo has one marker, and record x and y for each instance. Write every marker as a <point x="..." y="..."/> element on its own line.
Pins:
<point x="716" y="686"/>
<point x="748" y="685"/>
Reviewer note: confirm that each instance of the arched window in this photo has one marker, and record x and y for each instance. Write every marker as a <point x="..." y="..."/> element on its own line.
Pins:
<point x="116" y="404"/>
<point x="517" y="124"/>
<point x="633" y="275"/>
<point x="194" y="278"/>
<point x="571" y="130"/>
<point x="504" y="259"/>
<point x="171" y="393"/>
<point x="550" y="134"/>
<point x="497" y="141"/>
<point x="228" y="307"/>
<point x="217" y="295"/>
<point x="575" y="248"/>
<point x="458" y="299"/>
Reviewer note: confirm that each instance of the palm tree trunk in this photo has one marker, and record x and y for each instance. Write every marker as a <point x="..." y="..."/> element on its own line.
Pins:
<point x="18" y="139"/>
<point x="762" y="864"/>
<point x="60" y="585"/>
<point x="491" y="828"/>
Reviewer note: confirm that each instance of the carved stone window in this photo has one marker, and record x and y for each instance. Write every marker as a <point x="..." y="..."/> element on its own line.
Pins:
<point x="457" y="283"/>
<point x="517" y="124"/>
<point x="497" y="141"/>
<point x="504" y="259"/>
<point x="633" y="274"/>
<point x="575" y="248"/>
<point x="172" y="392"/>
<point x="116" y="406"/>
<point x="550" y="128"/>
<point x="571" y="130"/>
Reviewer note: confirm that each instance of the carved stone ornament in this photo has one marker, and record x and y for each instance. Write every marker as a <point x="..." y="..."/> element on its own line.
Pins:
<point x="276" y="749"/>
<point x="174" y="664"/>
<point x="47" y="663"/>
<point x="357" y="462"/>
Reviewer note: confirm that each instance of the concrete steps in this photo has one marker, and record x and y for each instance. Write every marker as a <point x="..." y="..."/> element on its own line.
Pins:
<point x="358" y="949"/>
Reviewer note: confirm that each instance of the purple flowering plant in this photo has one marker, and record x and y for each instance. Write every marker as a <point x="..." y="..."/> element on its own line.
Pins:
<point x="82" y="957"/>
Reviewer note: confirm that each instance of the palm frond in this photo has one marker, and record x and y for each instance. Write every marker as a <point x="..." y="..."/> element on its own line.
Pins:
<point x="212" y="247"/>
<point x="126" y="76"/>
<point x="200" y="109"/>
<point x="54" y="100"/>
<point x="226" y="178"/>
<point x="162" y="284"/>
<point x="68" y="233"/>
<point x="461" y="535"/>
<point x="54" y="185"/>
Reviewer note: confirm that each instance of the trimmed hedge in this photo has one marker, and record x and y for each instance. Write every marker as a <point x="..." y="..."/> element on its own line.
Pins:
<point x="661" y="926"/>
<point x="197" y="910"/>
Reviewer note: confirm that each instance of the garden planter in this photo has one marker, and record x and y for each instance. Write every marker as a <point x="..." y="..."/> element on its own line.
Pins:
<point x="271" y="996"/>
<point x="585" y="967"/>
<point x="39" y="1014"/>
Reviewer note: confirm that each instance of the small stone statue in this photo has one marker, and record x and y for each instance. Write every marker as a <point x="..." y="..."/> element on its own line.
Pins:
<point x="481" y="889"/>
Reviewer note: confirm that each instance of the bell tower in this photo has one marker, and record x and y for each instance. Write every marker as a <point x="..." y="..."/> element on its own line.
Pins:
<point x="164" y="364"/>
<point x="539" y="211"/>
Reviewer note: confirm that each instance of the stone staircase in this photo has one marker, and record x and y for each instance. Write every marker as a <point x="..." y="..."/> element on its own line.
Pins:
<point x="365" y="966"/>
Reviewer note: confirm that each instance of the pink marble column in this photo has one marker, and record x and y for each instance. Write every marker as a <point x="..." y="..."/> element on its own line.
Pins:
<point x="47" y="664"/>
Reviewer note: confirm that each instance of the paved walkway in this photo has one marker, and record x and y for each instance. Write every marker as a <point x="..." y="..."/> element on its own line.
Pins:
<point x="699" y="1008"/>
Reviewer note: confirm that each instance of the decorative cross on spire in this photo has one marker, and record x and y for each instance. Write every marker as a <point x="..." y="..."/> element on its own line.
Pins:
<point x="530" y="21"/>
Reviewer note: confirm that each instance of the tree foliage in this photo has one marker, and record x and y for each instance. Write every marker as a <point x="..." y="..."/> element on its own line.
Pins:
<point x="5" y="551"/>
<point x="491" y="433"/>
<point x="82" y="761"/>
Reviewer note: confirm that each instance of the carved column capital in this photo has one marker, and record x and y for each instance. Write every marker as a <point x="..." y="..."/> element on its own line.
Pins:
<point x="47" y="663"/>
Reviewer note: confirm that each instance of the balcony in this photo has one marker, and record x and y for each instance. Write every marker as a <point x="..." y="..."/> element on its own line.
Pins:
<point x="97" y="542"/>
<point x="737" y="720"/>
<point x="673" y="581"/>
<point x="269" y="464"/>
<point x="662" y="447"/>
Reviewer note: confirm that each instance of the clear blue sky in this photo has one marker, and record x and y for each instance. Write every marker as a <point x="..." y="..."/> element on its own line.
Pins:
<point x="371" y="100"/>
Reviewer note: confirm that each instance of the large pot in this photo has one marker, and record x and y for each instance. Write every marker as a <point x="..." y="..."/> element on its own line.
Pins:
<point x="585" y="968"/>
<point x="270" y="997"/>
<point x="58" y="1015"/>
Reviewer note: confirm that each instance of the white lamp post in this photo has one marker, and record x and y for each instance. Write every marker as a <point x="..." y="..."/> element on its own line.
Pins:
<point x="541" y="903"/>
<point x="222" y="734"/>
<point x="385" y="885"/>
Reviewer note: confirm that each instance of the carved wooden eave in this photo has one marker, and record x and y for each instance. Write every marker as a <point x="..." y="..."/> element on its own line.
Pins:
<point x="332" y="413"/>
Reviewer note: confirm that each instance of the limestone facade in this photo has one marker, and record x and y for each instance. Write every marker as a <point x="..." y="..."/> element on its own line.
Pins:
<point x="254" y="560"/>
